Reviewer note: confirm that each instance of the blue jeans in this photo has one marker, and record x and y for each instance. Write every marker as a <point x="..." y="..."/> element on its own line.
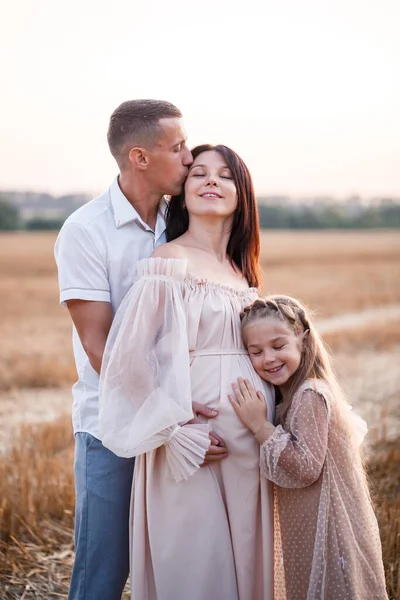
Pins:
<point x="103" y="483"/>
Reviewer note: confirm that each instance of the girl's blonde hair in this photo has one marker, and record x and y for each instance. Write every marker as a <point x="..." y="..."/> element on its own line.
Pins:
<point x="315" y="361"/>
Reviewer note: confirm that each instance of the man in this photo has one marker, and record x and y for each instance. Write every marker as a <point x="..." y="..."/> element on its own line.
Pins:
<point x="97" y="251"/>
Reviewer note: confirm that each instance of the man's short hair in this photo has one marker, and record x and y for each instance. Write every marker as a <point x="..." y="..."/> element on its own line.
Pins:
<point x="136" y="123"/>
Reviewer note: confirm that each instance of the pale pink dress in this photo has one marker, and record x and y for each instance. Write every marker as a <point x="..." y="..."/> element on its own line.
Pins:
<point x="196" y="533"/>
<point x="327" y="536"/>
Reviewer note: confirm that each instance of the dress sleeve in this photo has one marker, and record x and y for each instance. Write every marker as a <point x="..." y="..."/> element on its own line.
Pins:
<point x="293" y="457"/>
<point x="145" y="392"/>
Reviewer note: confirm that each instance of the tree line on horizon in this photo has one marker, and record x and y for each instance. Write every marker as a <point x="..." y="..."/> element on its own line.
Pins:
<point x="331" y="216"/>
<point x="272" y="216"/>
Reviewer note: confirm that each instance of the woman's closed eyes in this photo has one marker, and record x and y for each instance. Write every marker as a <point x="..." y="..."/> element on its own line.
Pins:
<point x="226" y="175"/>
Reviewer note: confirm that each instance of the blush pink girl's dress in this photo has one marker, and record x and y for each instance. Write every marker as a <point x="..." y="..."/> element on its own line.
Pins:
<point x="196" y="533"/>
<point x="325" y="523"/>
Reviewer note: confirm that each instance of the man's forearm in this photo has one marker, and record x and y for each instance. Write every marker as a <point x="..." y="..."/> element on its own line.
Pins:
<point x="92" y="321"/>
<point x="94" y="349"/>
<point x="95" y="359"/>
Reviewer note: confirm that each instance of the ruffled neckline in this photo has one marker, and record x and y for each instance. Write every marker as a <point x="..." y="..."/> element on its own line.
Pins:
<point x="196" y="283"/>
<point x="177" y="268"/>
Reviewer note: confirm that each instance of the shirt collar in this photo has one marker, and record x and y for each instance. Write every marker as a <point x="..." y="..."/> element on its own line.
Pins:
<point x="125" y="213"/>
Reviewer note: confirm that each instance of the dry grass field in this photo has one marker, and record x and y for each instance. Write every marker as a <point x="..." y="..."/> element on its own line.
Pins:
<point x="333" y="272"/>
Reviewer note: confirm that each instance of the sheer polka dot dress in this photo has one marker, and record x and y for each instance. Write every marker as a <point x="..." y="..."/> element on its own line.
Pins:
<point x="327" y="543"/>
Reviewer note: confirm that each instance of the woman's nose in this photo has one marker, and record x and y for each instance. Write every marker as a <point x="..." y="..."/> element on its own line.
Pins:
<point x="211" y="181"/>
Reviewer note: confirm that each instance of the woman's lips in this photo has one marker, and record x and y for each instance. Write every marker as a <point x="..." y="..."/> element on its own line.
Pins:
<point x="210" y="195"/>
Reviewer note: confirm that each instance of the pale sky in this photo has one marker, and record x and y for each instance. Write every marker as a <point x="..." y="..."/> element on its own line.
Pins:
<point x="306" y="91"/>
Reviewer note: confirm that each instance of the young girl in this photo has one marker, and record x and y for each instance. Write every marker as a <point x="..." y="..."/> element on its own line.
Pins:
<point x="326" y="529"/>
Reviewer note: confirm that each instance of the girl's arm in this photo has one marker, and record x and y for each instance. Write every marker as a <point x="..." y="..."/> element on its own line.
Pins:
<point x="292" y="457"/>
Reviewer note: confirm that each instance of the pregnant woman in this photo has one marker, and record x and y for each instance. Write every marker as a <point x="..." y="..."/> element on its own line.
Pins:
<point x="196" y="533"/>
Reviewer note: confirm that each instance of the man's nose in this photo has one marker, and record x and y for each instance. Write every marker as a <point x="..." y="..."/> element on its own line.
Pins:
<point x="187" y="158"/>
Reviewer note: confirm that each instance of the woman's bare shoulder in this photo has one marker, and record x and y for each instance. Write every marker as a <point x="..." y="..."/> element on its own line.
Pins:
<point x="169" y="250"/>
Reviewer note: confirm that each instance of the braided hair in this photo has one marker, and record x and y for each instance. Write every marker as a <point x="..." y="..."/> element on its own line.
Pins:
<point x="315" y="361"/>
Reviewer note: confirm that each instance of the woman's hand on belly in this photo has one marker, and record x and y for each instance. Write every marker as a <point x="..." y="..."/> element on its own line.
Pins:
<point x="217" y="450"/>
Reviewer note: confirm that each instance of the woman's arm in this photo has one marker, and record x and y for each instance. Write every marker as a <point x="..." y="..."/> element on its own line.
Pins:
<point x="217" y="449"/>
<point x="145" y="388"/>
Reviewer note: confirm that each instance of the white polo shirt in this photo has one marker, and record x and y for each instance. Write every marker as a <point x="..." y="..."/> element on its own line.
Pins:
<point x="97" y="251"/>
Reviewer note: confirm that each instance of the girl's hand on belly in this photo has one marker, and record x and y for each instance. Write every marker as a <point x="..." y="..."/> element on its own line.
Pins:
<point x="249" y="405"/>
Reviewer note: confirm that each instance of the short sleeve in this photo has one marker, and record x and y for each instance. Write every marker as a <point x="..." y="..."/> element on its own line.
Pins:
<point x="82" y="270"/>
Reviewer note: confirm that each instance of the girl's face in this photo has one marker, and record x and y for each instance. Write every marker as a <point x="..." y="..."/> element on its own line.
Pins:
<point x="209" y="188"/>
<point x="274" y="349"/>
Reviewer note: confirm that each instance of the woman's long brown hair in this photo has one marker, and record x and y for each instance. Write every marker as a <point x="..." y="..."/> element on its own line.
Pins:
<point x="244" y="242"/>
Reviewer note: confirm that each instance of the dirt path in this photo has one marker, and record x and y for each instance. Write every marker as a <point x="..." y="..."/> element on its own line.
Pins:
<point x="41" y="405"/>
<point x="358" y="319"/>
<point x="38" y="405"/>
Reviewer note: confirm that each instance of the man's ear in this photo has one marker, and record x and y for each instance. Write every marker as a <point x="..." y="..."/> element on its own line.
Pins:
<point x="138" y="157"/>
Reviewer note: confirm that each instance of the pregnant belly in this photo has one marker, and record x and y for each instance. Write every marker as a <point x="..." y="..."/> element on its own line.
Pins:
<point x="212" y="378"/>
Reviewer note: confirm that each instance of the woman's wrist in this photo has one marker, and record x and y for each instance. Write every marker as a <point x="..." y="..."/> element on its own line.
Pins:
<point x="263" y="432"/>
